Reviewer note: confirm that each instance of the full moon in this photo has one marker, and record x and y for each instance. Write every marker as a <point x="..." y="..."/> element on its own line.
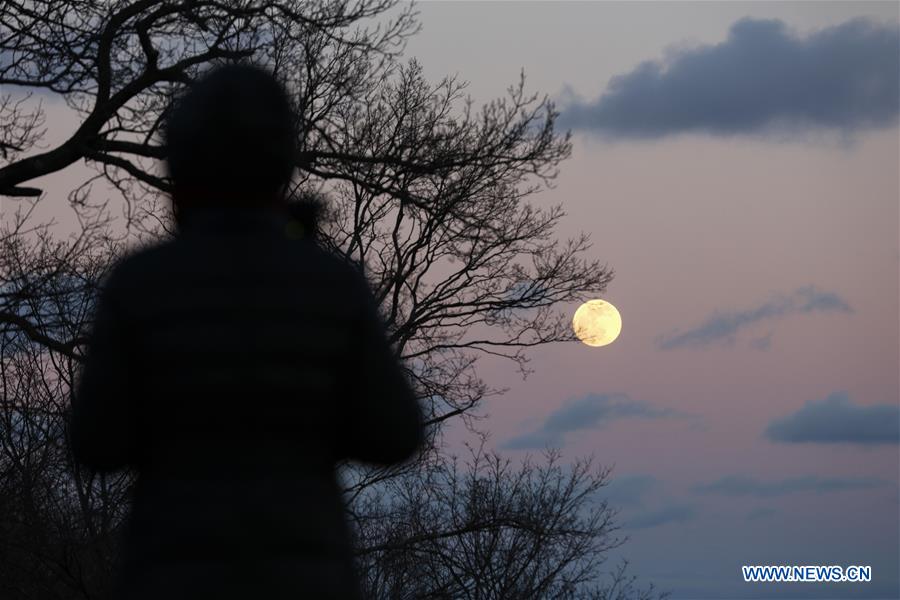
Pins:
<point x="597" y="323"/>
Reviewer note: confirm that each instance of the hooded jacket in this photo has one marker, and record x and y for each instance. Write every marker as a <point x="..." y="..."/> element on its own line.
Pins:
<point x="233" y="367"/>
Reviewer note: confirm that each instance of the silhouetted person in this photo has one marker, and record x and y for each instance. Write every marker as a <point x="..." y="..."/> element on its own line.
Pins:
<point x="233" y="366"/>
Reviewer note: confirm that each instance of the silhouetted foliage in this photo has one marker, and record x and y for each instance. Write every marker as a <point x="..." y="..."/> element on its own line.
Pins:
<point x="404" y="177"/>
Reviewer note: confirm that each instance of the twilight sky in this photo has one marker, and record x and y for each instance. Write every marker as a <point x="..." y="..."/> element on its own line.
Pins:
<point x="736" y="164"/>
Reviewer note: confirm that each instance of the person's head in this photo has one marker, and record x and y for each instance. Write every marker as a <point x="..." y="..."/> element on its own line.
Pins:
<point x="231" y="140"/>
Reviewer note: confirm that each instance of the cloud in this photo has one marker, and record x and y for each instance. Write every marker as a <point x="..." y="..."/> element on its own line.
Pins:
<point x="836" y="419"/>
<point x="590" y="412"/>
<point x="676" y="513"/>
<point x="761" y="513"/>
<point x="738" y="485"/>
<point x="628" y="494"/>
<point x="762" y="78"/>
<point x="23" y="70"/>
<point x="762" y="343"/>
<point x="722" y="326"/>
<point x="629" y="491"/>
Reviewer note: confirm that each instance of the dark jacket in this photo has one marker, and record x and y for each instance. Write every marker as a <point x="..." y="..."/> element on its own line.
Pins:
<point x="233" y="366"/>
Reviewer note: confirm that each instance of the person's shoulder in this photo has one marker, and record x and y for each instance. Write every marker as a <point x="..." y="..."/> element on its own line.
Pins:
<point x="355" y="286"/>
<point x="137" y="262"/>
<point x="354" y="277"/>
<point x="342" y="267"/>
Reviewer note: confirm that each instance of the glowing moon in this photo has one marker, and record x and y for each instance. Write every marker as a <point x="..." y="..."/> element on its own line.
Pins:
<point x="597" y="323"/>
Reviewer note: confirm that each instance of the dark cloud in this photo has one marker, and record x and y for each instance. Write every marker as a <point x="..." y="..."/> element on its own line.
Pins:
<point x="738" y="485"/>
<point x="676" y="513"/>
<point x="762" y="78"/>
<point x="629" y="494"/>
<point x="761" y="513"/>
<point x="590" y="412"/>
<point x="836" y="419"/>
<point x="629" y="491"/>
<point x="762" y="343"/>
<point x="25" y="73"/>
<point x="722" y="326"/>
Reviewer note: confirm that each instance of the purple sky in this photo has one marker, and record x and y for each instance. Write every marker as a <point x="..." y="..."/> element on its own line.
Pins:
<point x="741" y="177"/>
<point x="743" y="184"/>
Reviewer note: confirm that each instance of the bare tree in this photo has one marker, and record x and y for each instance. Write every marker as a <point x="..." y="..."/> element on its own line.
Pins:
<point x="116" y="63"/>
<point x="429" y="194"/>
<point x="59" y="522"/>
<point x="491" y="531"/>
